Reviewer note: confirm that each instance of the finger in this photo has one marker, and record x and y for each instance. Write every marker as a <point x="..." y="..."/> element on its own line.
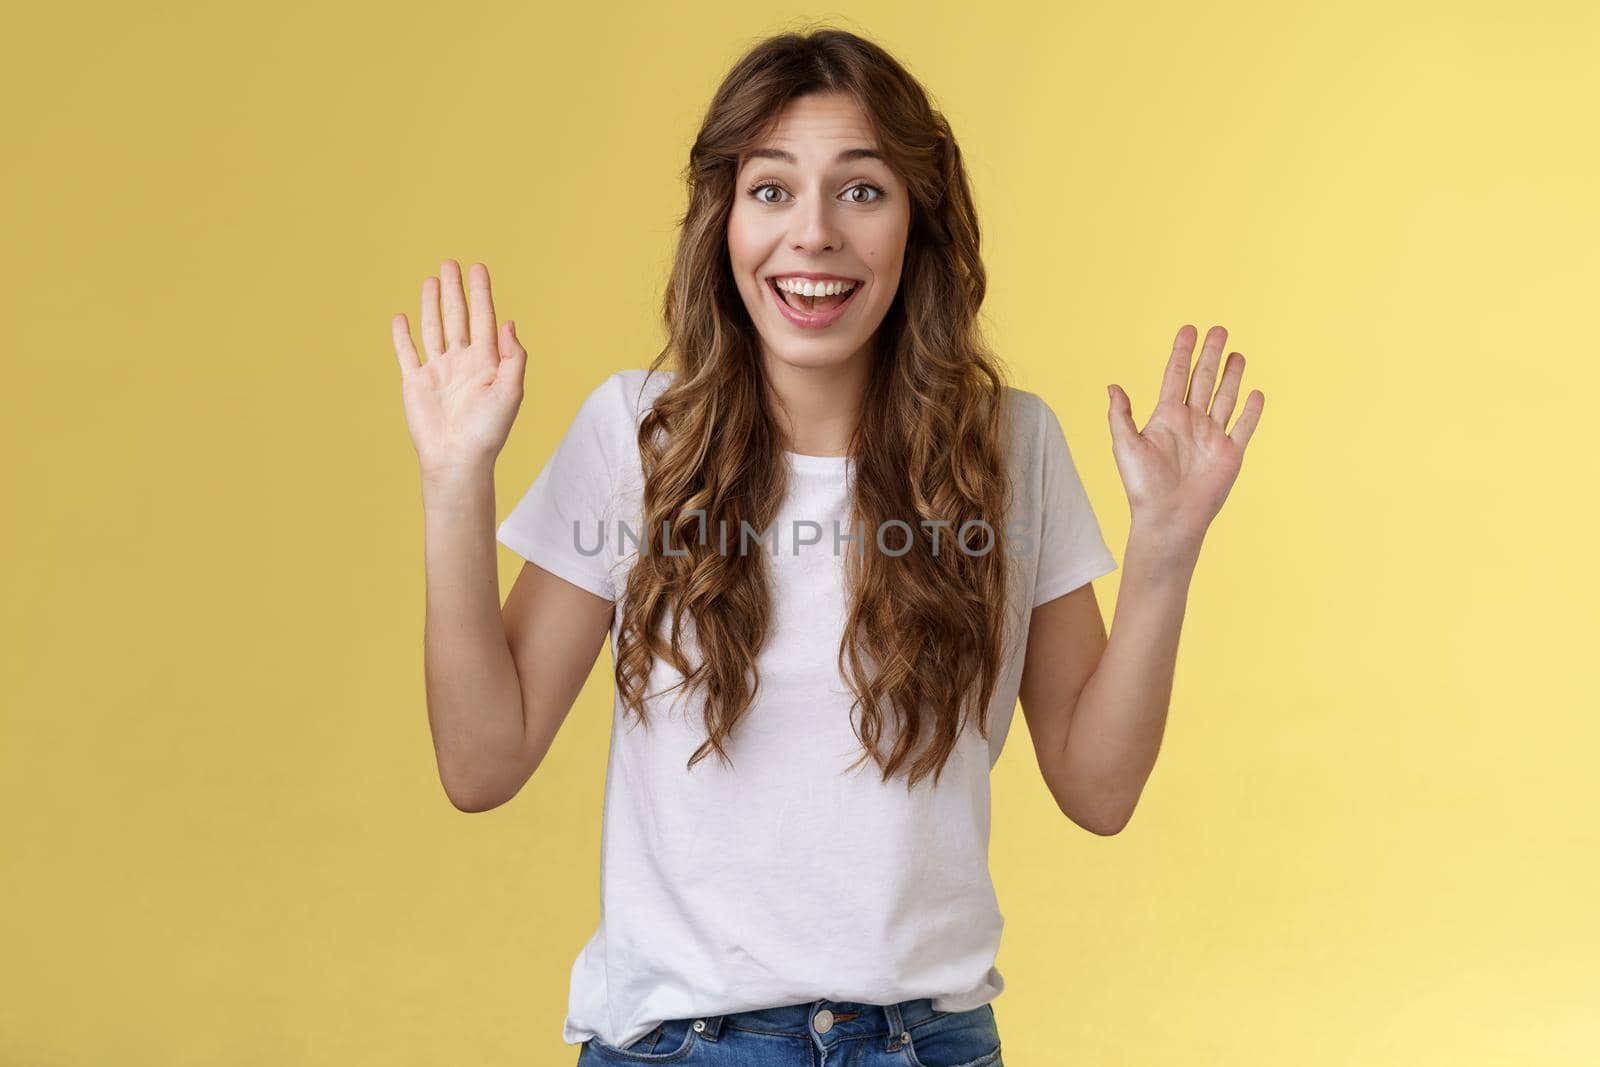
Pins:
<point x="483" y="328"/>
<point x="1228" y="391"/>
<point x="1120" y="415"/>
<point x="1205" y="372"/>
<point x="455" y="304"/>
<point x="432" y="332"/>
<point x="513" y="358"/>
<point x="1176" y="379"/>
<point x="1245" y="425"/>
<point x="404" y="350"/>
<point x="510" y="347"/>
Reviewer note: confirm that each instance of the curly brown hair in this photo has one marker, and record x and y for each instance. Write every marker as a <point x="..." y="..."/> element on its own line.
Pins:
<point x="926" y="633"/>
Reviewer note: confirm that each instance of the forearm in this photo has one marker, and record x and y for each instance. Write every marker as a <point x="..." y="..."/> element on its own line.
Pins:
<point x="474" y="698"/>
<point x="1121" y="713"/>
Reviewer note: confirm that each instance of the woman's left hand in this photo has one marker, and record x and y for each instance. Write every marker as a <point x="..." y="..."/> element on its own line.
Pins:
<point x="1178" y="470"/>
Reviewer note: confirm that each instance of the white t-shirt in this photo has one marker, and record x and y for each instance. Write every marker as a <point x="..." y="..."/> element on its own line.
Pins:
<point x="781" y="879"/>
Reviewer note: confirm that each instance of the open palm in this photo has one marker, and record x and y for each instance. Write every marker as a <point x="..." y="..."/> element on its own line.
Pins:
<point x="460" y="404"/>
<point x="1178" y="470"/>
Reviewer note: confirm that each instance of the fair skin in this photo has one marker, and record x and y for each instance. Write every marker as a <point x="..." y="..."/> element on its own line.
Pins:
<point x="501" y="679"/>
<point x="806" y="200"/>
<point x="1097" y="708"/>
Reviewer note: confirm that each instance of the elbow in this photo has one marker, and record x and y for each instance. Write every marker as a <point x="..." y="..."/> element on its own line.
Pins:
<point x="1103" y="810"/>
<point x="1100" y="824"/>
<point x="470" y="804"/>
<point x="1105" y="829"/>
<point x="478" y="783"/>
<point x="471" y="798"/>
<point x="1100" y="829"/>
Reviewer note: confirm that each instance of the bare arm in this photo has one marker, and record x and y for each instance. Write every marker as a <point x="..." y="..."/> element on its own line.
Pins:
<point x="474" y="699"/>
<point x="1066" y="638"/>
<point x="1098" y="708"/>
<point x="556" y="630"/>
<point x="499" y="681"/>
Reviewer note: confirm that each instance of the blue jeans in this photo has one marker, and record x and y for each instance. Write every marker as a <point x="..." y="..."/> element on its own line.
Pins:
<point x="823" y="1033"/>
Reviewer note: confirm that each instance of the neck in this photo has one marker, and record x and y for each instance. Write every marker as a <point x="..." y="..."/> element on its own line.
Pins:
<point x="818" y="407"/>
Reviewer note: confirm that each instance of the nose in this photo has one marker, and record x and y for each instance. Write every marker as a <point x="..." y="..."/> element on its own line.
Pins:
<point x="815" y="227"/>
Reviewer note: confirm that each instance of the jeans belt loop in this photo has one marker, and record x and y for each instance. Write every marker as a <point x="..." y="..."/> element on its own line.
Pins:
<point x="896" y="1027"/>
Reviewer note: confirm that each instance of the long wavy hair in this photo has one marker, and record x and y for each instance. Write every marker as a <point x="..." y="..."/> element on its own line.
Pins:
<point x="926" y="632"/>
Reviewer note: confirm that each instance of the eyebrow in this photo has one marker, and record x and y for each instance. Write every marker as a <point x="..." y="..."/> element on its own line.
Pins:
<point x="849" y="155"/>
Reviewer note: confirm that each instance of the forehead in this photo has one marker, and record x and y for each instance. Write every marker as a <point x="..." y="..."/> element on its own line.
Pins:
<point x="816" y="126"/>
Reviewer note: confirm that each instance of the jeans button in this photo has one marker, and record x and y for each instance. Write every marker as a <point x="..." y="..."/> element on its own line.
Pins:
<point x="824" y="1021"/>
<point x="699" y="1026"/>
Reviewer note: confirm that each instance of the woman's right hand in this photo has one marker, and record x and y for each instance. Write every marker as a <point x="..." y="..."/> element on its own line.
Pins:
<point x="459" y="404"/>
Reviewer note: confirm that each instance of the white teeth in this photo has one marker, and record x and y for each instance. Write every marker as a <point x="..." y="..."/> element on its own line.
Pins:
<point x="805" y="287"/>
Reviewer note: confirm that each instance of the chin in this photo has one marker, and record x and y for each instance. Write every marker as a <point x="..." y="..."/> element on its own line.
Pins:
<point x="816" y="355"/>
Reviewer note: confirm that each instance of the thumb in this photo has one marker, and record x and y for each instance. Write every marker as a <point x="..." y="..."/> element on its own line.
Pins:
<point x="513" y="357"/>
<point x="1120" y="415"/>
<point x="510" y="346"/>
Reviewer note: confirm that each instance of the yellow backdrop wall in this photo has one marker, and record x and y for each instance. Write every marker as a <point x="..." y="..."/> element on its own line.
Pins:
<point x="1368" y="838"/>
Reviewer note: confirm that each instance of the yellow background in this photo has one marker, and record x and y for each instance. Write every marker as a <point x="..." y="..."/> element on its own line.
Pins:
<point x="1369" y="838"/>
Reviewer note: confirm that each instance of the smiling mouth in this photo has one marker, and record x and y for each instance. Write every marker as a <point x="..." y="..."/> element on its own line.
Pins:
<point x="812" y="305"/>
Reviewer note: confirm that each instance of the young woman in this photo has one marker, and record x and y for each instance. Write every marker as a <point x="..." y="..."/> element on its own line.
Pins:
<point x="831" y="549"/>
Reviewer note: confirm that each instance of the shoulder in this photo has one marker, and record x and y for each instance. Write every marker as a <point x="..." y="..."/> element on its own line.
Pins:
<point x="625" y="395"/>
<point x="1023" y="407"/>
<point x="1039" y="451"/>
<point x="1026" y="418"/>
<point x="606" y="428"/>
<point x="1032" y="420"/>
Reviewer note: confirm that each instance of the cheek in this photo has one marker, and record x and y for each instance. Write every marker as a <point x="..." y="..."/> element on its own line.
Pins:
<point x="747" y="248"/>
<point x="884" y="244"/>
<point x="742" y="260"/>
<point x="738" y="245"/>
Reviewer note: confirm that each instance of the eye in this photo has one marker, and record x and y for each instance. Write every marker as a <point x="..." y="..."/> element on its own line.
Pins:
<point x="864" y="185"/>
<point x="755" y="191"/>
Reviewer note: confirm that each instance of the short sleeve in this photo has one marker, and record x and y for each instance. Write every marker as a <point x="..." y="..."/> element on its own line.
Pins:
<point x="563" y="521"/>
<point x="1072" y="551"/>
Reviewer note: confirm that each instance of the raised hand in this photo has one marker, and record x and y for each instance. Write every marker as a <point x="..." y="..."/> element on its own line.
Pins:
<point x="459" y="404"/>
<point x="1178" y="470"/>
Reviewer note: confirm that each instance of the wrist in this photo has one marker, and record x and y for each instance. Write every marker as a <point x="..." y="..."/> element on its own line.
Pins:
<point x="452" y="477"/>
<point x="1162" y="549"/>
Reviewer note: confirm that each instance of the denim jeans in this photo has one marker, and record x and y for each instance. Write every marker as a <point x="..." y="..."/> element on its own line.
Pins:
<point x="823" y="1033"/>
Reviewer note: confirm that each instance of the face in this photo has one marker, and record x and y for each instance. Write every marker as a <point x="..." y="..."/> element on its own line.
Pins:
<point x="812" y="200"/>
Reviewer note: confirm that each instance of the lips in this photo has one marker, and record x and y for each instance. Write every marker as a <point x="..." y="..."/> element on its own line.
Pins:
<point x="812" y="320"/>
